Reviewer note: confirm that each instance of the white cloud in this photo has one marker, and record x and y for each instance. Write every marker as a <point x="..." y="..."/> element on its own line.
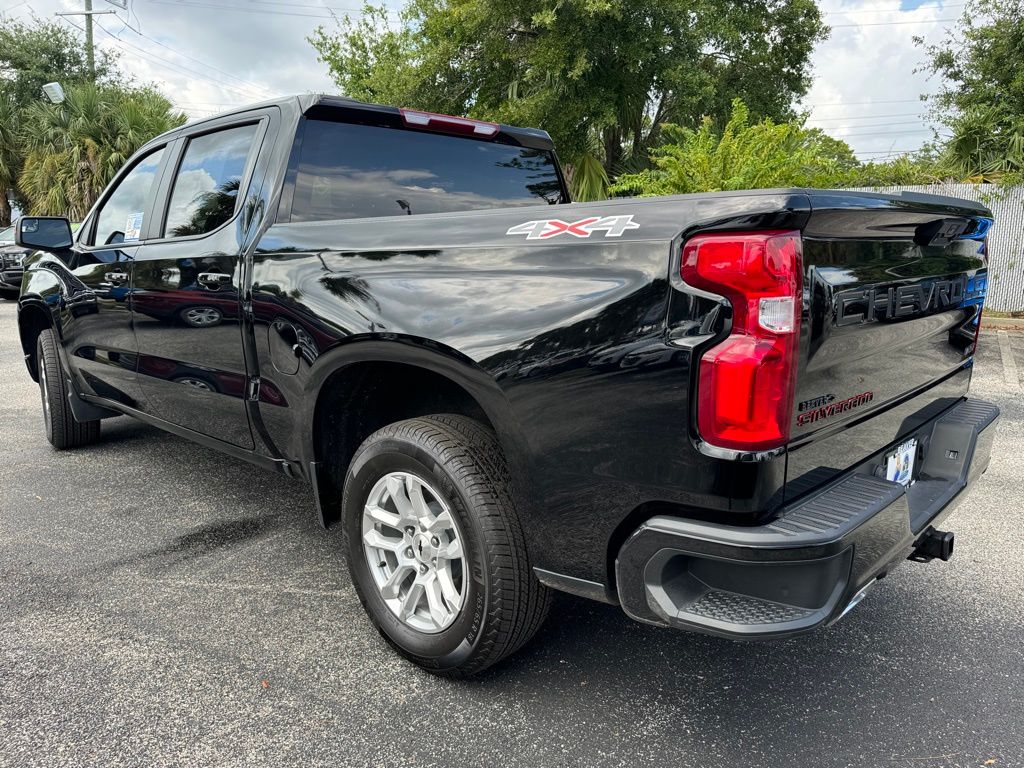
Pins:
<point x="866" y="90"/>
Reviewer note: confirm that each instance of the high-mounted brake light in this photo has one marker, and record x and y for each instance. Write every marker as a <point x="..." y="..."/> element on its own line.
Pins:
<point x="448" y="124"/>
<point x="746" y="384"/>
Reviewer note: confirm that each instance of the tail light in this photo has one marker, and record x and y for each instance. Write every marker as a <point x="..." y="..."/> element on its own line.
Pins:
<point x="463" y="126"/>
<point x="745" y="387"/>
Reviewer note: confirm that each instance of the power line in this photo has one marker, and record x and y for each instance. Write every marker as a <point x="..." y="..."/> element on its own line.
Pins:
<point x="945" y="7"/>
<point x="888" y="23"/>
<point x="304" y="5"/>
<point x="883" y="133"/>
<point x="200" y="62"/>
<point x="865" y="117"/>
<point x="237" y="9"/>
<point x="859" y="103"/>
<point x="12" y="7"/>
<point x="181" y="67"/>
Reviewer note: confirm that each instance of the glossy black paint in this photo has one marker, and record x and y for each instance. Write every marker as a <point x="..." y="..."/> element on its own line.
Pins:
<point x="580" y="352"/>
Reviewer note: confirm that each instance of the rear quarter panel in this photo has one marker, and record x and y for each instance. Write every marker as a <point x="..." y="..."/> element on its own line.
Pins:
<point x="564" y="340"/>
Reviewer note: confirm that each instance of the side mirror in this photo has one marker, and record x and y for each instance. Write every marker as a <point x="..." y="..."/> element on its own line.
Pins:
<point x="45" y="233"/>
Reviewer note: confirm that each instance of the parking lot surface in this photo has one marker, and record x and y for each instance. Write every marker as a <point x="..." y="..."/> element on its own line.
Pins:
<point x="162" y="604"/>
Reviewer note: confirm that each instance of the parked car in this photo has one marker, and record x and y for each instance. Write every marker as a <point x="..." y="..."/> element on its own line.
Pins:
<point x="11" y="256"/>
<point x="731" y="413"/>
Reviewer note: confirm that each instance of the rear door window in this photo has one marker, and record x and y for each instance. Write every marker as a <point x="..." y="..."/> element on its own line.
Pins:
<point x="205" y="191"/>
<point x="350" y="171"/>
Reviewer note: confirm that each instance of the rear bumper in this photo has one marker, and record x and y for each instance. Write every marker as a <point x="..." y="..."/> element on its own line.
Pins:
<point x="812" y="563"/>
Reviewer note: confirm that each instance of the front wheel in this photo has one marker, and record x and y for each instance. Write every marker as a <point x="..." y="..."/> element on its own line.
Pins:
<point x="435" y="546"/>
<point x="61" y="428"/>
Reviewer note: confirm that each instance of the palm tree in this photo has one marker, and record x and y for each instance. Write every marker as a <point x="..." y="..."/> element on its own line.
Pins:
<point x="72" y="150"/>
<point x="987" y="145"/>
<point x="9" y="157"/>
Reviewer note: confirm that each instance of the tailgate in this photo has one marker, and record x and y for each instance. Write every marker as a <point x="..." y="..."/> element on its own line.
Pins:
<point x="893" y="292"/>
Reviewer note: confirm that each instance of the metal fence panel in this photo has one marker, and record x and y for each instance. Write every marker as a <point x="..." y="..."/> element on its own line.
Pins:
<point x="1005" y="239"/>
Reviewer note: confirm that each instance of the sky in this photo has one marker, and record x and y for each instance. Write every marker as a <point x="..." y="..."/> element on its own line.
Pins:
<point x="209" y="55"/>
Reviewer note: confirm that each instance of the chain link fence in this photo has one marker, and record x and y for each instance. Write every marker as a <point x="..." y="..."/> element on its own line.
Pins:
<point x="1005" y="239"/>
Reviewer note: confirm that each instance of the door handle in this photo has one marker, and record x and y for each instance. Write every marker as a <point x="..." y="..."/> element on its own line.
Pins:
<point x="214" y="279"/>
<point x="116" y="277"/>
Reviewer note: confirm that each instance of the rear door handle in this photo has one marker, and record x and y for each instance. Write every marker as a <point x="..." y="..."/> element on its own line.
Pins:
<point x="214" y="279"/>
<point x="117" y="277"/>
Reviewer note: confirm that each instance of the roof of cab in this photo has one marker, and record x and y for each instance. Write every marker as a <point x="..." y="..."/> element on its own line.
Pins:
<point x="307" y="102"/>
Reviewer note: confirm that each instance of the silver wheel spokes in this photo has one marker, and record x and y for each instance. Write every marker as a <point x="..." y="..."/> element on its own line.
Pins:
<point x="203" y="316"/>
<point x="414" y="551"/>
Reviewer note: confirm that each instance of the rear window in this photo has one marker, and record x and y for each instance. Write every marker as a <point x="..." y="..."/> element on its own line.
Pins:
<point x="349" y="171"/>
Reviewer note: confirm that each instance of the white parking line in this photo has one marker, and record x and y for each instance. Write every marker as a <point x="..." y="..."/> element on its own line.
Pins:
<point x="1010" y="375"/>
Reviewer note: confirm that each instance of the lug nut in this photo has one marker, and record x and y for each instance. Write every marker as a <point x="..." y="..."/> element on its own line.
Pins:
<point x="423" y="568"/>
<point x="435" y="541"/>
<point x="408" y="551"/>
<point x="410" y="530"/>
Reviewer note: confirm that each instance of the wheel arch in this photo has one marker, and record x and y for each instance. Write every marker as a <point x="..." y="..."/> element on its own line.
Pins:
<point x="365" y="384"/>
<point x="34" y="316"/>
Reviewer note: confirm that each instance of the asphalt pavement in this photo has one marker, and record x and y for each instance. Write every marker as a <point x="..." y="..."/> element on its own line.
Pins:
<point x="162" y="604"/>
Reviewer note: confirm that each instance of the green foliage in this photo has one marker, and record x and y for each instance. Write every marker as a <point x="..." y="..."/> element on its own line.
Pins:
<point x="32" y="54"/>
<point x="10" y="155"/>
<point x="743" y="155"/>
<point x="601" y="76"/>
<point x="39" y="52"/>
<point x="906" y="170"/>
<point x="72" y="150"/>
<point x="982" y="101"/>
<point x="56" y="159"/>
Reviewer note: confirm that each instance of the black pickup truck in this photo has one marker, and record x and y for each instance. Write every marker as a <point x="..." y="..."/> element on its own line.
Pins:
<point x="731" y="413"/>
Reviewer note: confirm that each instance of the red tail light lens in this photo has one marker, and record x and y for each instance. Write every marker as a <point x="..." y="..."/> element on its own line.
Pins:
<point x="432" y="121"/>
<point x="746" y="384"/>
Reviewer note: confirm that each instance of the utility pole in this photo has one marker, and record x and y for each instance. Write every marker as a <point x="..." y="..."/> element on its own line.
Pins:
<point x="90" y="54"/>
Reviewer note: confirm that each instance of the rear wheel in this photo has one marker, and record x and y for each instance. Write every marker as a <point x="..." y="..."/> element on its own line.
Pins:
<point x="435" y="546"/>
<point x="201" y="317"/>
<point x="61" y="428"/>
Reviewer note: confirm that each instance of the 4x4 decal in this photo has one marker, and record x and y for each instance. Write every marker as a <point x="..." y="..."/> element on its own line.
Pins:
<point x="542" y="229"/>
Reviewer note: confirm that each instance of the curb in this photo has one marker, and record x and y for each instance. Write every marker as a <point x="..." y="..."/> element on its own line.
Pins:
<point x="1002" y="323"/>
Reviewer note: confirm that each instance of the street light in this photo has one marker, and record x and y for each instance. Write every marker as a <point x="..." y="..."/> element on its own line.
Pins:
<point x="54" y="93"/>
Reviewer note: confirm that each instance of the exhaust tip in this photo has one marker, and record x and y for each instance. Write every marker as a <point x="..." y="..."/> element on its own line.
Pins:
<point x="933" y="545"/>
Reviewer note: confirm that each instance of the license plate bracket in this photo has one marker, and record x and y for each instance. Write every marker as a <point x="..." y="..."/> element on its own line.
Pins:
<point x="899" y="463"/>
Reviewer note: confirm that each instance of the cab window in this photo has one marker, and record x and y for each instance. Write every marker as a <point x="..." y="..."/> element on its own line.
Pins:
<point x="205" y="190"/>
<point x="120" y="218"/>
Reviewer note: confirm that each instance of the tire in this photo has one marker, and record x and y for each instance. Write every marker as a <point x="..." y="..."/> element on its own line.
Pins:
<point x="460" y="467"/>
<point x="62" y="430"/>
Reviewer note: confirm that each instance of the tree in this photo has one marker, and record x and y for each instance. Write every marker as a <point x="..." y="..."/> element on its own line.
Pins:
<point x="32" y="54"/>
<point x="10" y="157"/>
<point x="743" y="155"/>
<point x="72" y="150"/>
<point x="982" y="96"/>
<point x="601" y="76"/>
<point x="39" y="52"/>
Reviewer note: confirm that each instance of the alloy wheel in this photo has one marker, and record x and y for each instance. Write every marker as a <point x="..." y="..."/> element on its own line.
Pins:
<point x="415" y="552"/>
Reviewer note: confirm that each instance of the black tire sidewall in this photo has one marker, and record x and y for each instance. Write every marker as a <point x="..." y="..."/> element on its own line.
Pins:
<point x="452" y="646"/>
<point x="49" y="386"/>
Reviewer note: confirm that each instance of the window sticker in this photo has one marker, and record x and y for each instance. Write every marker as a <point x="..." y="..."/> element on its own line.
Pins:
<point x="133" y="226"/>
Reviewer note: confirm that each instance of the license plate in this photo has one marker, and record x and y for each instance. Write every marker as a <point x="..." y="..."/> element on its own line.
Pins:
<point x="899" y="465"/>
